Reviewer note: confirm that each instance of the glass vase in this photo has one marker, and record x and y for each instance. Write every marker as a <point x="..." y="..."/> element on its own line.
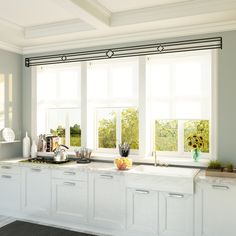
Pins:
<point x="196" y="153"/>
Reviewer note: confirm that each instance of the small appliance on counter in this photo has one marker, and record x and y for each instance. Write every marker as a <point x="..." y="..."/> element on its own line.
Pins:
<point x="60" y="153"/>
<point x="47" y="142"/>
<point x="83" y="155"/>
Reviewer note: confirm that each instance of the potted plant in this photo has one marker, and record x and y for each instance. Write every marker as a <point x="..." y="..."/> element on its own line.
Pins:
<point x="230" y="167"/>
<point x="196" y="142"/>
<point x="215" y="165"/>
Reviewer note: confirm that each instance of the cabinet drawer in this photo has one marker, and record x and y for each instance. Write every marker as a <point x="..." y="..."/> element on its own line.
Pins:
<point x="6" y="168"/>
<point x="37" y="170"/>
<point x="9" y="177"/>
<point x="70" y="174"/>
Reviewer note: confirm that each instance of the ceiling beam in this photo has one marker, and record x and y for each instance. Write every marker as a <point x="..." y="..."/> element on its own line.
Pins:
<point x="93" y="13"/>
<point x="171" y="11"/>
<point x="89" y="11"/>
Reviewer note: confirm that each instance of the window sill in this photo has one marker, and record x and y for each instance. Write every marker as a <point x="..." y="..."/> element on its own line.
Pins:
<point x="173" y="161"/>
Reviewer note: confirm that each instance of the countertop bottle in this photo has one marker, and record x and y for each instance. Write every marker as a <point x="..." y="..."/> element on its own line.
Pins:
<point x="26" y="146"/>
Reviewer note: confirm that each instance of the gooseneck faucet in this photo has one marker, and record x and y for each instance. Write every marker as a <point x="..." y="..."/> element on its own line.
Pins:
<point x="155" y="157"/>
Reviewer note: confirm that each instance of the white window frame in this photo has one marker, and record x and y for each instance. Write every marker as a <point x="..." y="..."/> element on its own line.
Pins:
<point x="34" y="105"/>
<point x="212" y="123"/>
<point x="145" y="126"/>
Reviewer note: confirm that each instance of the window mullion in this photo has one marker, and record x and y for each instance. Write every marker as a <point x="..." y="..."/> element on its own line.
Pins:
<point x="118" y="127"/>
<point x="181" y="137"/>
<point x="84" y="105"/>
<point x="144" y="125"/>
<point x="67" y="130"/>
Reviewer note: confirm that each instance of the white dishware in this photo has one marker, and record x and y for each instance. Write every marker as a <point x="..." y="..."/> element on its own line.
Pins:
<point x="8" y="134"/>
<point x="26" y="146"/>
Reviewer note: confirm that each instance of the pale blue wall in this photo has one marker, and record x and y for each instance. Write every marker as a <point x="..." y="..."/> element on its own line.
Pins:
<point x="11" y="65"/>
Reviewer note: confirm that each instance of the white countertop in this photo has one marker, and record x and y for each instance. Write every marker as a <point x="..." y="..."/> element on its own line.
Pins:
<point x="202" y="178"/>
<point x="106" y="167"/>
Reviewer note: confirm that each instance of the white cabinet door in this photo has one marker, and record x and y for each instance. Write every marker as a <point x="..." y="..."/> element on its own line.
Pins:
<point x="106" y="200"/>
<point x="175" y="214"/>
<point x="10" y="192"/>
<point x="215" y="210"/>
<point x="69" y="200"/>
<point x="142" y="211"/>
<point x="37" y="191"/>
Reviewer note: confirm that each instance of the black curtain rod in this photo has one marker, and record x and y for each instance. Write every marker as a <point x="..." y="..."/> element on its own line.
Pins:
<point x="131" y="51"/>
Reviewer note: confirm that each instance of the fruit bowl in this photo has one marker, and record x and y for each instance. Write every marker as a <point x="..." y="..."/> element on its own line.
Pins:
<point x="123" y="163"/>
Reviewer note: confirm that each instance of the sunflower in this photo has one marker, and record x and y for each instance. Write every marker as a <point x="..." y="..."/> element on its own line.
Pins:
<point x="195" y="141"/>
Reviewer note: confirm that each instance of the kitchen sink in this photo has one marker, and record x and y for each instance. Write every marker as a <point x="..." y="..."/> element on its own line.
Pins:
<point x="168" y="179"/>
<point x="166" y="171"/>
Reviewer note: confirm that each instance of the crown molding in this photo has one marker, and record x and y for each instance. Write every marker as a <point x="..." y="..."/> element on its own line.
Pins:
<point x="11" y="48"/>
<point x="134" y="37"/>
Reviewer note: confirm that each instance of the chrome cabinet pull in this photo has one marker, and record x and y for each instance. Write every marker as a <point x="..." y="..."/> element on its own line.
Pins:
<point x="223" y="187"/>
<point x="106" y="176"/>
<point x="69" y="183"/>
<point x="6" y="167"/>
<point x="139" y="191"/>
<point x="35" y="169"/>
<point x="6" y="176"/>
<point x="69" y="173"/>
<point x="175" y="195"/>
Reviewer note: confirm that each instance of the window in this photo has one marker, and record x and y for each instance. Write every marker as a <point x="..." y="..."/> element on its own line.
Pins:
<point x="113" y="99"/>
<point x="152" y="103"/>
<point x="58" y="102"/>
<point x="180" y="91"/>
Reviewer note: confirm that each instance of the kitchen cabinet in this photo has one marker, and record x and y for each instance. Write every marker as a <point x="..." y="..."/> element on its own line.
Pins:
<point x="69" y="200"/>
<point x="215" y="209"/>
<point x="142" y="211"/>
<point x="107" y="200"/>
<point x="10" y="185"/>
<point x="36" y="191"/>
<point x="175" y="214"/>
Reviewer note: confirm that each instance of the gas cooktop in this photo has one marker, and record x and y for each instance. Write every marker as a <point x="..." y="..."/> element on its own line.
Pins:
<point x="46" y="160"/>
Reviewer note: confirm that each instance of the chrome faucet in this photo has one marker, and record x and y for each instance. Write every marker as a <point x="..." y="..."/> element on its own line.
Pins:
<point x="155" y="157"/>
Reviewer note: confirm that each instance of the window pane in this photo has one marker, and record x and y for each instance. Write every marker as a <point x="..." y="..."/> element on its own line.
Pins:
<point x="166" y="135"/>
<point x="130" y="127"/>
<point x="188" y="110"/>
<point x="198" y="128"/>
<point x="187" y="82"/>
<point x="69" y="85"/>
<point x="113" y="83"/>
<point x="56" y="123"/>
<point x="160" y="80"/>
<point x="161" y="110"/>
<point x="75" y="128"/>
<point x="123" y="81"/>
<point x="46" y="85"/>
<point x="107" y="129"/>
<point x="75" y="135"/>
<point x="97" y="82"/>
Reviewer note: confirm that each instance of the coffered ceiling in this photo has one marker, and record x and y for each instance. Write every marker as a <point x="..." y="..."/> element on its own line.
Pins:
<point x="33" y="26"/>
